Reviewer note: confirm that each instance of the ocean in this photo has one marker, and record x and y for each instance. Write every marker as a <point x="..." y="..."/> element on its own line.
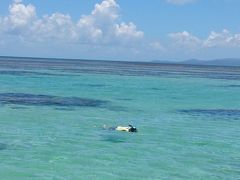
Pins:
<point x="52" y="112"/>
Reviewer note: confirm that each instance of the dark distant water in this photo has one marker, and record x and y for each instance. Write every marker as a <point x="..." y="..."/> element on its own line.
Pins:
<point x="52" y="113"/>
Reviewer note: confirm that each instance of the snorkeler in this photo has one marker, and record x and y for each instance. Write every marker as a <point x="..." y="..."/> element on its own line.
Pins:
<point x="128" y="128"/>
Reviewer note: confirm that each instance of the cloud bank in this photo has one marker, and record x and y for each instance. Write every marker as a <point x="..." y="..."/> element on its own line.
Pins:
<point x="215" y="39"/>
<point x="102" y="32"/>
<point x="102" y="26"/>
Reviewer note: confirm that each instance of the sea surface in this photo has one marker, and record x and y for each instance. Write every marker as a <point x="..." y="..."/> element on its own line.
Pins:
<point x="52" y="112"/>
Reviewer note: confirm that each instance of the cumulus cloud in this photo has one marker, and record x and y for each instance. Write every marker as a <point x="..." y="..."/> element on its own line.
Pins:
<point x="55" y="27"/>
<point x="20" y="17"/>
<point x="101" y="26"/>
<point x="214" y="39"/>
<point x="107" y="10"/>
<point x="126" y="31"/>
<point x="222" y="39"/>
<point x="185" y="39"/>
<point x="180" y="2"/>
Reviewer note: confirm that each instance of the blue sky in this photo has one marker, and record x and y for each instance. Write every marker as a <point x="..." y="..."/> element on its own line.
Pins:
<point x="121" y="29"/>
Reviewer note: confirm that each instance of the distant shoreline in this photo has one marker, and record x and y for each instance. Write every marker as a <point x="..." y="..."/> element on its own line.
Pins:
<point x="194" y="62"/>
<point x="226" y="62"/>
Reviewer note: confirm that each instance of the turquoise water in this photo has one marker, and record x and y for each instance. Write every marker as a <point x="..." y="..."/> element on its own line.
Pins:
<point x="52" y="113"/>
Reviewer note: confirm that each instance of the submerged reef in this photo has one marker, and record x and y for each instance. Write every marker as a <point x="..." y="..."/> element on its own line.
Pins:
<point x="48" y="100"/>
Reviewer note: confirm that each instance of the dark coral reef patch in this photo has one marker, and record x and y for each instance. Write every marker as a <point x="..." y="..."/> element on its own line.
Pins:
<point x="48" y="100"/>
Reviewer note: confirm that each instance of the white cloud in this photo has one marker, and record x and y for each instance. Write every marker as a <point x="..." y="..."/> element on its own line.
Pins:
<point x="20" y="17"/>
<point x="185" y="39"/>
<point x="57" y="26"/>
<point x="222" y="39"/>
<point x="127" y="31"/>
<point x="180" y="2"/>
<point x="108" y="9"/>
<point x="101" y="26"/>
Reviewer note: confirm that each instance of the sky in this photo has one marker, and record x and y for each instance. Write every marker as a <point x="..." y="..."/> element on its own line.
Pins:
<point x="127" y="30"/>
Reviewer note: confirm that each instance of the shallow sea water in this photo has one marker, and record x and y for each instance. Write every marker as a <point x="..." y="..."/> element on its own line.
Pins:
<point x="52" y="113"/>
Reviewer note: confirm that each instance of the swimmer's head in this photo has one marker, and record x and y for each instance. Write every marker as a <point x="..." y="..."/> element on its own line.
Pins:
<point x="132" y="129"/>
